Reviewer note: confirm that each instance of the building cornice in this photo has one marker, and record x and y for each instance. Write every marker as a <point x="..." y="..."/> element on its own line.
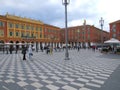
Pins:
<point x="24" y="19"/>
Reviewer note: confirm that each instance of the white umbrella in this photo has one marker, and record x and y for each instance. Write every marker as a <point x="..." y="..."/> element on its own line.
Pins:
<point x="20" y="44"/>
<point x="112" y="41"/>
<point x="8" y="43"/>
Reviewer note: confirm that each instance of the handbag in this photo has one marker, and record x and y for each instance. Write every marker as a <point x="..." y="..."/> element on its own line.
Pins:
<point x="31" y="54"/>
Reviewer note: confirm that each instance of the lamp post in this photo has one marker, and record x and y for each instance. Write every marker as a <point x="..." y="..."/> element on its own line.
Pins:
<point x="84" y="33"/>
<point x="101" y="24"/>
<point x="66" y="2"/>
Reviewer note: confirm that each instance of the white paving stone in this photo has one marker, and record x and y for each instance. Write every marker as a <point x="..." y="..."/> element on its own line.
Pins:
<point x="22" y="83"/>
<point x="77" y="84"/>
<point x="52" y="87"/>
<point x="47" y="81"/>
<point x="98" y="81"/>
<point x="55" y="77"/>
<point x="21" y="78"/>
<point x="91" y="74"/>
<point x="94" y="85"/>
<point x="34" y="79"/>
<point x="83" y="80"/>
<point x="105" y="75"/>
<point x="100" y="77"/>
<point x="37" y="85"/>
<point x="43" y="77"/>
<point x="66" y="87"/>
<point x="9" y="81"/>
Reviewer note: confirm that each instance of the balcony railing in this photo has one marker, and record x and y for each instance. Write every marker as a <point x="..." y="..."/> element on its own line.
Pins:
<point x="28" y="37"/>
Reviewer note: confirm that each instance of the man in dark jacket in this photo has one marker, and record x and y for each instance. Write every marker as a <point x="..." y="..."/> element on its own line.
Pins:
<point x="24" y="53"/>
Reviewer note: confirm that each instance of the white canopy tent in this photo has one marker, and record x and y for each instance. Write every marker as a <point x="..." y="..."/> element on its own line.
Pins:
<point x="112" y="41"/>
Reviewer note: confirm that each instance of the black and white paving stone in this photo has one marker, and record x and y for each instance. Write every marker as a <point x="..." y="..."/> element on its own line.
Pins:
<point x="86" y="70"/>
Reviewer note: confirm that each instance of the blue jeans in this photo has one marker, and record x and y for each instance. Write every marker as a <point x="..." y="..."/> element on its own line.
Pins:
<point x="30" y="56"/>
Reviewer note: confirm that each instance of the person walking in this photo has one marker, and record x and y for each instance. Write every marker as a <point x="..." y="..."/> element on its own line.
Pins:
<point x="78" y="48"/>
<point x="24" y="49"/>
<point x="41" y="48"/>
<point x="51" y="50"/>
<point x="30" y="52"/>
<point x="16" y="50"/>
<point x="11" y="49"/>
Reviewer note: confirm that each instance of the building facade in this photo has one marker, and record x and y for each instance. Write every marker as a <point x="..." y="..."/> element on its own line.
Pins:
<point x="115" y="29"/>
<point x="3" y="29"/>
<point x="51" y="35"/>
<point x="15" y="29"/>
<point x="84" y="35"/>
<point x="22" y="30"/>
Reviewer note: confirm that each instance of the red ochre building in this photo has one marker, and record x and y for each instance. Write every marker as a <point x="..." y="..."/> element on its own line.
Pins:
<point x="15" y="29"/>
<point x="115" y="29"/>
<point x="85" y="35"/>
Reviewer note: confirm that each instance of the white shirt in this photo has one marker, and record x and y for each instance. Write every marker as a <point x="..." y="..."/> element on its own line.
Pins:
<point x="29" y="50"/>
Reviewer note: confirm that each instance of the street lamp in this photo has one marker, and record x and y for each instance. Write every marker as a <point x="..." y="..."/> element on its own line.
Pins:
<point x="101" y="24"/>
<point x="84" y="33"/>
<point x="66" y="2"/>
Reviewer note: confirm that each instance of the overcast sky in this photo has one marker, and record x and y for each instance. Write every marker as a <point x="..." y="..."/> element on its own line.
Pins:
<point x="52" y="11"/>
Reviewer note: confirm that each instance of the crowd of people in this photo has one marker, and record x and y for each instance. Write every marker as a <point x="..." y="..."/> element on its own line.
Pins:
<point x="48" y="49"/>
<point x="106" y="48"/>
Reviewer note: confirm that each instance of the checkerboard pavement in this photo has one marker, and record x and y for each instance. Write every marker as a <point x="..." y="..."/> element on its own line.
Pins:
<point x="86" y="70"/>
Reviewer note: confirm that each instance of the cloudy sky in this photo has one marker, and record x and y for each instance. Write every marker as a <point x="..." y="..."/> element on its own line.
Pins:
<point x="52" y="11"/>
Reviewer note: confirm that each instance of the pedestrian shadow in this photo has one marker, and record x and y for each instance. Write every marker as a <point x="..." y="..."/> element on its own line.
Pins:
<point x="109" y="56"/>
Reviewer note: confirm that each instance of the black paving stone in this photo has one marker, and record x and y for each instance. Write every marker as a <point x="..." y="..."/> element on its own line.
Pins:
<point x="75" y="86"/>
<point x="14" y="86"/>
<point x="43" y="83"/>
<point x="29" y="87"/>
<point x="58" y="84"/>
<point x="44" y="88"/>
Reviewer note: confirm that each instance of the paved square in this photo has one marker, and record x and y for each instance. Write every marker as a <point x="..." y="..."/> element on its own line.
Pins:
<point x="86" y="70"/>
